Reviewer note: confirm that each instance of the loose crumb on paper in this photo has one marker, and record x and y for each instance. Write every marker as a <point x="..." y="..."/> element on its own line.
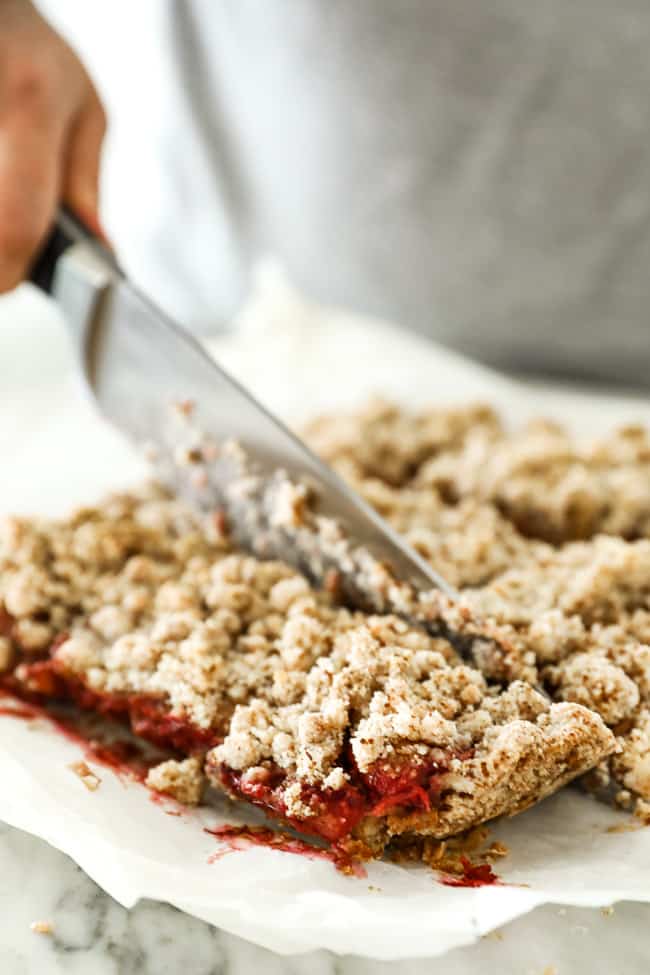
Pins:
<point x="640" y="819"/>
<point x="630" y="827"/>
<point x="89" y="778"/>
<point x="607" y="911"/>
<point x="184" y="407"/>
<point x="42" y="927"/>
<point x="182" y="780"/>
<point x="642" y="812"/>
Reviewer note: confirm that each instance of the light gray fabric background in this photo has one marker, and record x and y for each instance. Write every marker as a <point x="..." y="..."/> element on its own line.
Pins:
<point x="478" y="171"/>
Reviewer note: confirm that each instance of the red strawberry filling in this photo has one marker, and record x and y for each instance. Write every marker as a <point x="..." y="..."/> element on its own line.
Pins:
<point x="473" y="875"/>
<point x="6" y="622"/>
<point x="147" y="716"/>
<point x="385" y="787"/>
<point x="334" y="814"/>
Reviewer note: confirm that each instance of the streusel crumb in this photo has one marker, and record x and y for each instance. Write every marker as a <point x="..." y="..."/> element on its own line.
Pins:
<point x="89" y="778"/>
<point x="182" y="780"/>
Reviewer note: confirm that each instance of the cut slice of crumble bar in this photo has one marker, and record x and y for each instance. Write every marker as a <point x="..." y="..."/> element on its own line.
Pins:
<point x="387" y="740"/>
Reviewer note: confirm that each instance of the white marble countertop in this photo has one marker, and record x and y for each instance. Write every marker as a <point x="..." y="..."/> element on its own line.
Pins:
<point x="92" y="935"/>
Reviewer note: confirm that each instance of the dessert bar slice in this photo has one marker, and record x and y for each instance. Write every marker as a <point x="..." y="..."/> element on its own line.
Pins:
<point x="390" y="736"/>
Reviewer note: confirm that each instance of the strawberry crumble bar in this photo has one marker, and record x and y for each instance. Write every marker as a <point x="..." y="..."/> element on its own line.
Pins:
<point x="352" y="727"/>
<point x="548" y="539"/>
<point x="392" y="738"/>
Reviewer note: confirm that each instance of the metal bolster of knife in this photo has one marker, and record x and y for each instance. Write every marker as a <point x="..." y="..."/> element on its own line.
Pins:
<point x="77" y="269"/>
<point x="68" y="232"/>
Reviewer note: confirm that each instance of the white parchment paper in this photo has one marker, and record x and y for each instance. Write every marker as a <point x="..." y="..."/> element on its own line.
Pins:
<point x="56" y="452"/>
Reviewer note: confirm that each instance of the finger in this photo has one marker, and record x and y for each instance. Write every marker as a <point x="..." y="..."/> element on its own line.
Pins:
<point x="31" y="147"/>
<point x="81" y="165"/>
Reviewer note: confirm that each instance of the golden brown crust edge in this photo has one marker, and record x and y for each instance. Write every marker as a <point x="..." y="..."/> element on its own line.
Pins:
<point x="561" y="745"/>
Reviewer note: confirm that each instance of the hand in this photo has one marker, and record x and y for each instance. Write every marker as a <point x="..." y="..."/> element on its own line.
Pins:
<point x="52" y="125"/>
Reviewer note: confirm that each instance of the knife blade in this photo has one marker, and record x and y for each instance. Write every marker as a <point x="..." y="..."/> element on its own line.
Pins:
<point x="136" y="363"/>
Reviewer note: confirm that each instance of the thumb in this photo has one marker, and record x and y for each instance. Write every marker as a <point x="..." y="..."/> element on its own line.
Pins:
<point x="31" y="151"/>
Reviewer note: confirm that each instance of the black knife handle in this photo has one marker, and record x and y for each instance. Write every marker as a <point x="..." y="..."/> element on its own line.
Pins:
<point x="67" y="230"/>
<point x="44" y="267"/>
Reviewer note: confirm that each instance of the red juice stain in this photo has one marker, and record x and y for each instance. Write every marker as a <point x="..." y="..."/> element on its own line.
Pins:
<point x="474" y="875"/>
<point x="122" y="757"/>
<point x="238" y="838"/>
<point x="23" y="711"/>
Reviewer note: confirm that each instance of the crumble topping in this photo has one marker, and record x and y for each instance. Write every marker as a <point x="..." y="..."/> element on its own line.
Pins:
<point x="590" y="679"/>
<point x="182" y="780"/>
<point x="631" y="766"/>
<point x="547" y="538"/>
<point x="383" y="686"/>
<point x="550" y="486"/>
<point x="175" y="615"/>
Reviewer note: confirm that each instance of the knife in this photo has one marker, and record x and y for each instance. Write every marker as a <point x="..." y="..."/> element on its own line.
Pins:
<point x="136" y="363"/>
